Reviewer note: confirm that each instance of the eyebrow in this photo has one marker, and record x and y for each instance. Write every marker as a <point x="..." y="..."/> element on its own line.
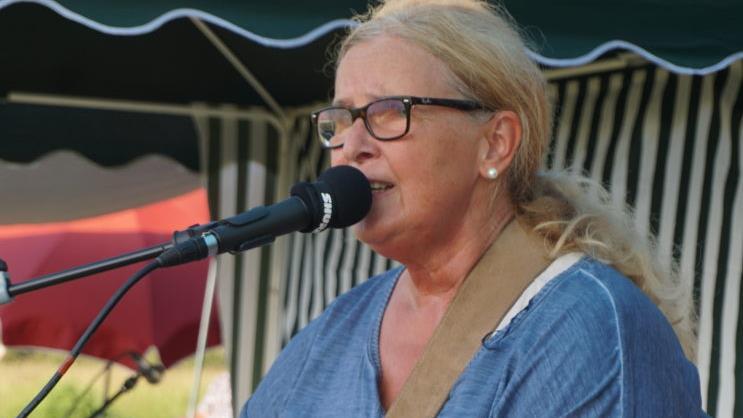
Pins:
<point x="339" y="103"/>
<point x="373" y="97"/>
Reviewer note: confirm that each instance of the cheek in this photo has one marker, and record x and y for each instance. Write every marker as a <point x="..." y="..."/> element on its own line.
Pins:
<point x="449" y="161"/>
<point x="337" y="158"/>
<point x="444" y="172"/>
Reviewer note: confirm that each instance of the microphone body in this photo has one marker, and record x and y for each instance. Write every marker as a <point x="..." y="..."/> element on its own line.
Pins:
<point x="261" y="225"/>
<point x="340" y="198"/>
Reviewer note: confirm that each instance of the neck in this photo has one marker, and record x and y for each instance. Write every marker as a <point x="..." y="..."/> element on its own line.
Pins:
<point x="435" y="276"/>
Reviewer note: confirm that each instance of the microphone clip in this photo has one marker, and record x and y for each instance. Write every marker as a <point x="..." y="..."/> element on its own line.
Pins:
<point x="153" y="373"/>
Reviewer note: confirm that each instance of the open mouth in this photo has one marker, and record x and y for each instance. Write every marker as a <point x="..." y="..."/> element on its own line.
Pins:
<point x="377" y="186"/>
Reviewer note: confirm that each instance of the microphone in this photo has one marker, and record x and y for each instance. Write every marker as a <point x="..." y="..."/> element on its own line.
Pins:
<point x="153" y="374"/>
<point x="339" y="198"/>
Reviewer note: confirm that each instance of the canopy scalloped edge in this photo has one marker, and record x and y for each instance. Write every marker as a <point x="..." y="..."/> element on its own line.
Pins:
<point x="332" y="25"/>
<point x="597" y="52"/>
<point x="174" y="14"/>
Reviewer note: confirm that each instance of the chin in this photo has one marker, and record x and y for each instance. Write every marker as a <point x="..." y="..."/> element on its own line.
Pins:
<point x="382" y="241"/>
<point x="368" y="233"/>
<point x="363" y="233"/>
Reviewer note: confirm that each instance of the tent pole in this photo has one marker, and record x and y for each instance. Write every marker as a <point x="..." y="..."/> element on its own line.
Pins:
<point x="203" y="333"/>
<point x="242" y="69"/>
<point x="250" y="114"/>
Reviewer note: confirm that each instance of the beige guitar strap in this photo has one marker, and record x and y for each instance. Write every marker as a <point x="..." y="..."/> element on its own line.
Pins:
<point x="491" y="288"/>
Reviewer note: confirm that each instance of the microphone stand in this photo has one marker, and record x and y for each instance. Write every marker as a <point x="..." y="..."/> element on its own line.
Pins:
<point x="128" y="385"/>
<point x="8" y="290"/>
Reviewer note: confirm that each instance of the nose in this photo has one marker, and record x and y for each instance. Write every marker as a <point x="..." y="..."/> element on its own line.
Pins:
<point x="358" y="144"/>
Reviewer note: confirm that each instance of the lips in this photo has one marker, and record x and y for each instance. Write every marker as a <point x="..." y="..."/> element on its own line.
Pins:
<point x="379" y="186"/>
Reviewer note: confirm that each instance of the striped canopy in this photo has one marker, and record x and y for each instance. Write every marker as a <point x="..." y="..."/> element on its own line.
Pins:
<point x="182" y="51"/>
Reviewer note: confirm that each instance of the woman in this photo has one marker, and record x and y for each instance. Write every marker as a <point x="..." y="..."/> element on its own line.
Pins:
<point x="438" y="105"/>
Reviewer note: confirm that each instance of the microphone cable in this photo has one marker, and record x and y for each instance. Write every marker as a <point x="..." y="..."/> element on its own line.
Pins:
<point x="77" y="348"/>
<point x="107" y="371"/>
<point x="93" y="380"/>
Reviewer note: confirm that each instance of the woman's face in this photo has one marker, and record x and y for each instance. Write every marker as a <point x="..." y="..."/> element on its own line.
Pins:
<point x="422" y="183"/>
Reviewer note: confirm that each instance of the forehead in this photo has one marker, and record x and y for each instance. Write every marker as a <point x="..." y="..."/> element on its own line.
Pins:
<point x="390" y="66"/>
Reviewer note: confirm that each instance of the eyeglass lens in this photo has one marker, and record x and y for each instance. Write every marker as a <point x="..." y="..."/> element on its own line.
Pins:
<point x="385" y="119"/>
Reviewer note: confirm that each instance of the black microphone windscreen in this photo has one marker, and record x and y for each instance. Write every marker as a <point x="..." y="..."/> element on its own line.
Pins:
<point x="351" y="194"/>
<point x="339" y="198"/>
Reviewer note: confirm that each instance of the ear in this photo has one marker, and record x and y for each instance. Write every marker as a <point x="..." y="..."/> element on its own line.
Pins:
<point x="501" y="139"/>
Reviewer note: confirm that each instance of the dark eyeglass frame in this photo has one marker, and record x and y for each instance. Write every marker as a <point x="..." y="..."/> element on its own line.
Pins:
<point x="408" y="103"/>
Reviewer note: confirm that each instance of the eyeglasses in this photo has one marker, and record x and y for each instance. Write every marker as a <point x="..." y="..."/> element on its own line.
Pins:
<point x="385" y="119"/>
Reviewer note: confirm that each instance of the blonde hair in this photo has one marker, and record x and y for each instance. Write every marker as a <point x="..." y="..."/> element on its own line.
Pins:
<point x="487" y="58"/>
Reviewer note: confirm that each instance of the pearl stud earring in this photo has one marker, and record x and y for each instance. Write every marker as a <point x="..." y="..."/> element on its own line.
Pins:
<point x="492" y="173"/>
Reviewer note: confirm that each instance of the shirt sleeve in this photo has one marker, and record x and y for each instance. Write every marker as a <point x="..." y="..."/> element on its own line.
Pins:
<point x="605" y="352"/>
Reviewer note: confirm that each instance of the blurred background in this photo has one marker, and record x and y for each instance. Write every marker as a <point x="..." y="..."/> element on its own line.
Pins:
<point x="123" y="121"/>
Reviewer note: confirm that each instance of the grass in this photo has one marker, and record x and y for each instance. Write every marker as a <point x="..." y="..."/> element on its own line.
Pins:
<point x="24" y="372"/>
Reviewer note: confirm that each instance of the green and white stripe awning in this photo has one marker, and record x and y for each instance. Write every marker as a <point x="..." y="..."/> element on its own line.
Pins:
<point x="156" y="51"/>
<point x="681" y="36"/>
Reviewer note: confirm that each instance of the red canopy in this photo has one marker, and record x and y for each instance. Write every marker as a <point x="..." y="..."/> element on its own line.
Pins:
<point x="161" y="310"/>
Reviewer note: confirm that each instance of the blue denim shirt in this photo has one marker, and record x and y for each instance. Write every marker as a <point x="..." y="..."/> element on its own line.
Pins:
<point x="589" y="344"/>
